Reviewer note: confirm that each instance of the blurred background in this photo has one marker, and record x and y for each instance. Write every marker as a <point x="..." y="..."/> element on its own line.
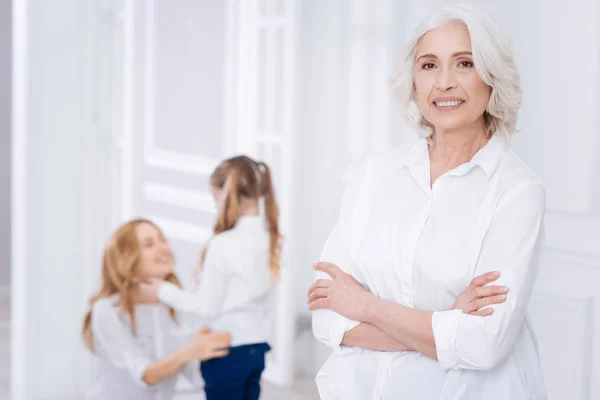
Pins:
<point x="111" y="109"/>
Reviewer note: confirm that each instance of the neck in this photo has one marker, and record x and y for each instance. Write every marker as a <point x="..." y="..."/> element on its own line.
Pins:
<point x="139" y="297"/>
<point x="249" y="207"/>
<point x="455" y="147"/>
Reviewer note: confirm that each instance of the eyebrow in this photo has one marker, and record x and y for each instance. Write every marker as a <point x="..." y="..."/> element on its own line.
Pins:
<point x="460" y="53"/>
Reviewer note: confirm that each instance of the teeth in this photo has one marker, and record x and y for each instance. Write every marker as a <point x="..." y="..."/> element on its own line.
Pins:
<point x="452" y="103"/>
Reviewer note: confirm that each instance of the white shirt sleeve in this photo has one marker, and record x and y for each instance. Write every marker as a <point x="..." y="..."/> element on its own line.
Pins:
<point x="328" y="326"/>
<point x="119" y="343"/>
<point x="191" y="371"/>
<point x="209" y="297"/>
<point x="511" y="246"/>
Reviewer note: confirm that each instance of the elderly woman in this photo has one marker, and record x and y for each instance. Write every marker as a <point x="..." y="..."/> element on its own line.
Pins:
<point x="419" y="222"/>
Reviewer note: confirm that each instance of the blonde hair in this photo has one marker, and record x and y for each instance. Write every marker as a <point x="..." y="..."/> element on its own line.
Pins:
<point x="494" y="62"/>
<point x="240" y="177"/>
<point x="119" y="267"/>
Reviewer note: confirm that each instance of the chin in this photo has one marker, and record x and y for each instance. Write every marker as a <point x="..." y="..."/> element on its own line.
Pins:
<point x="164" y="272"/>
<point x="447" y="125"/>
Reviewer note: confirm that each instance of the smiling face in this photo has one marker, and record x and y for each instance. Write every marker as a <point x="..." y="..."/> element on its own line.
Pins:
<point x="156" y="257"/>
<point x="449" y="92"/>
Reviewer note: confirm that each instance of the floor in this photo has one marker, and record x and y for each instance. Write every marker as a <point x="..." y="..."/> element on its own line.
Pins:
<point x="303" y="389"/>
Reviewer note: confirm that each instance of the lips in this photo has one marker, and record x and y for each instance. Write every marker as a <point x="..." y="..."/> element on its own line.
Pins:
<point x="163" y="259"/>
<point x="450" y="103"/>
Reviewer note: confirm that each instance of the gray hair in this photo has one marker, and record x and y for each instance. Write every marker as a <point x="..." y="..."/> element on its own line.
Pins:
<point x="494" y="62"/>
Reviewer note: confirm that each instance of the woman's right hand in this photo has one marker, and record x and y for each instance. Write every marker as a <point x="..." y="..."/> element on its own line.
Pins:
<point x="478" y="296"/>
<point x="206" y="345"/>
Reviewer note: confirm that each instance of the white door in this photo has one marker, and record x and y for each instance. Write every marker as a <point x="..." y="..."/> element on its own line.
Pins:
<point x="196" y="90"/>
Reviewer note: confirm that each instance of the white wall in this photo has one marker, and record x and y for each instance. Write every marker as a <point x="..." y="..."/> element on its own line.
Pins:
<point x="5" y="142"/>
<point x="62" y="161"/>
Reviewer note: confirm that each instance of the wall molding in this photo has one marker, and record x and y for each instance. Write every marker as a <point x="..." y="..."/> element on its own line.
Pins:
<point x="154" y="156"/>
<point x="190" y="199"/>
<point x="570" y="257"/>
<point x="184" y="231"/>
<point x="546" y="307"/>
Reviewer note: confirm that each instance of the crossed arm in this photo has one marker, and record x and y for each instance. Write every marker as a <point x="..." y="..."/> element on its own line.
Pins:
<point x="455" y="338"/>
<point x="368" y="336"/>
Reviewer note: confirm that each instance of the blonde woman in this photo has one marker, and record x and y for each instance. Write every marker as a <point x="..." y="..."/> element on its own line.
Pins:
<point x="239" y="267"/>
<point x="140" y="349"/>
<point x="419" y="222"/>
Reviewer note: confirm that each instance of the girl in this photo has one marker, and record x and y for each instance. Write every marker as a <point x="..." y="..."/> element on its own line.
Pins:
<point x="139" y="347"/>
<point x="239" y="266"/>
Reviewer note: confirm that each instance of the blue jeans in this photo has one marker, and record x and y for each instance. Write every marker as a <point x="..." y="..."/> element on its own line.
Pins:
<point x="237" y="375"/>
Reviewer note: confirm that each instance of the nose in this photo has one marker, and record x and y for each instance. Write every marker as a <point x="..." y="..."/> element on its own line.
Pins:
<point x="445" y="79"/>
<point x="164" y="248"/>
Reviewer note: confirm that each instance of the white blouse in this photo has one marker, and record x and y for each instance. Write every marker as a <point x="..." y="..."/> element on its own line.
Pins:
<point x="235" y="291"/>
<point x="420" y="246"/>
<point x="122" y="358"/>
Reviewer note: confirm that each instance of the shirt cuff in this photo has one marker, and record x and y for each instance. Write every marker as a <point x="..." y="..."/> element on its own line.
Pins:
<point x="336" y="334"/>
<point x="445" y="327"/>
<point x="139" y="373"/>
<point x="166" y="291"/>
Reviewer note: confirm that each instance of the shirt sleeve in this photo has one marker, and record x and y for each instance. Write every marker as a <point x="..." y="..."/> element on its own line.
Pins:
<point x="191" y="371"/>
<point x="209" y="297"/>
<point x="118" y="342"/>
<point x="328" y="326"/>
<point x="511" y="246"/>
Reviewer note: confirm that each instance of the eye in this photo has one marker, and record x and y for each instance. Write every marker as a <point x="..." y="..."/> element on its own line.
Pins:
<point x="466" y="64"/>
<point x="148" y="244"/>
<point x="428" y="65"/>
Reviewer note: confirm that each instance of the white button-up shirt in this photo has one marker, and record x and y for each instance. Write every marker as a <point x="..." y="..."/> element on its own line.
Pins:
<point x="122" y="357"/>
<point x="235" y="290"/>
<point x="420" y="246"/>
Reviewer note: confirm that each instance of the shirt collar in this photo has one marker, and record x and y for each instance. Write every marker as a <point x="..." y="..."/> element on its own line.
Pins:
<point x="250" y="220"/>
<point x="487" y="158"/>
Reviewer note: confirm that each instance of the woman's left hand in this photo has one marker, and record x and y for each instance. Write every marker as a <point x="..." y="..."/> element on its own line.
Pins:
<point x="150" y="289"/>
<point x="342" y="294"/>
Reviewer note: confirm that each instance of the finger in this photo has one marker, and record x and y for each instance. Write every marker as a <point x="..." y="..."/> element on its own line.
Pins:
<point x="219" y="353"/>
<point x="215" y="345"/>
<point x="318" y="304"/>
<point x="322" y="283"/>
<point x="205" y="330"/>
<point x="325" y="284"/>
<point x="486" y="312"/>
<point x="486" y="291"/>
<point x="484" y="279"/>
<point x="218" y="340"/>
<point x="221" y="336"/>
<point x="486" y="301"/>
<point x="317" y="293"/>
<point x="330" y="269"/>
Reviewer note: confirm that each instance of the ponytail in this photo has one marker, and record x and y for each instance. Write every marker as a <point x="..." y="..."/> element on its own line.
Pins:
<point x="243" y="177"/>
<point x="272" y="218"/>
<point x="231" y="211"/>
